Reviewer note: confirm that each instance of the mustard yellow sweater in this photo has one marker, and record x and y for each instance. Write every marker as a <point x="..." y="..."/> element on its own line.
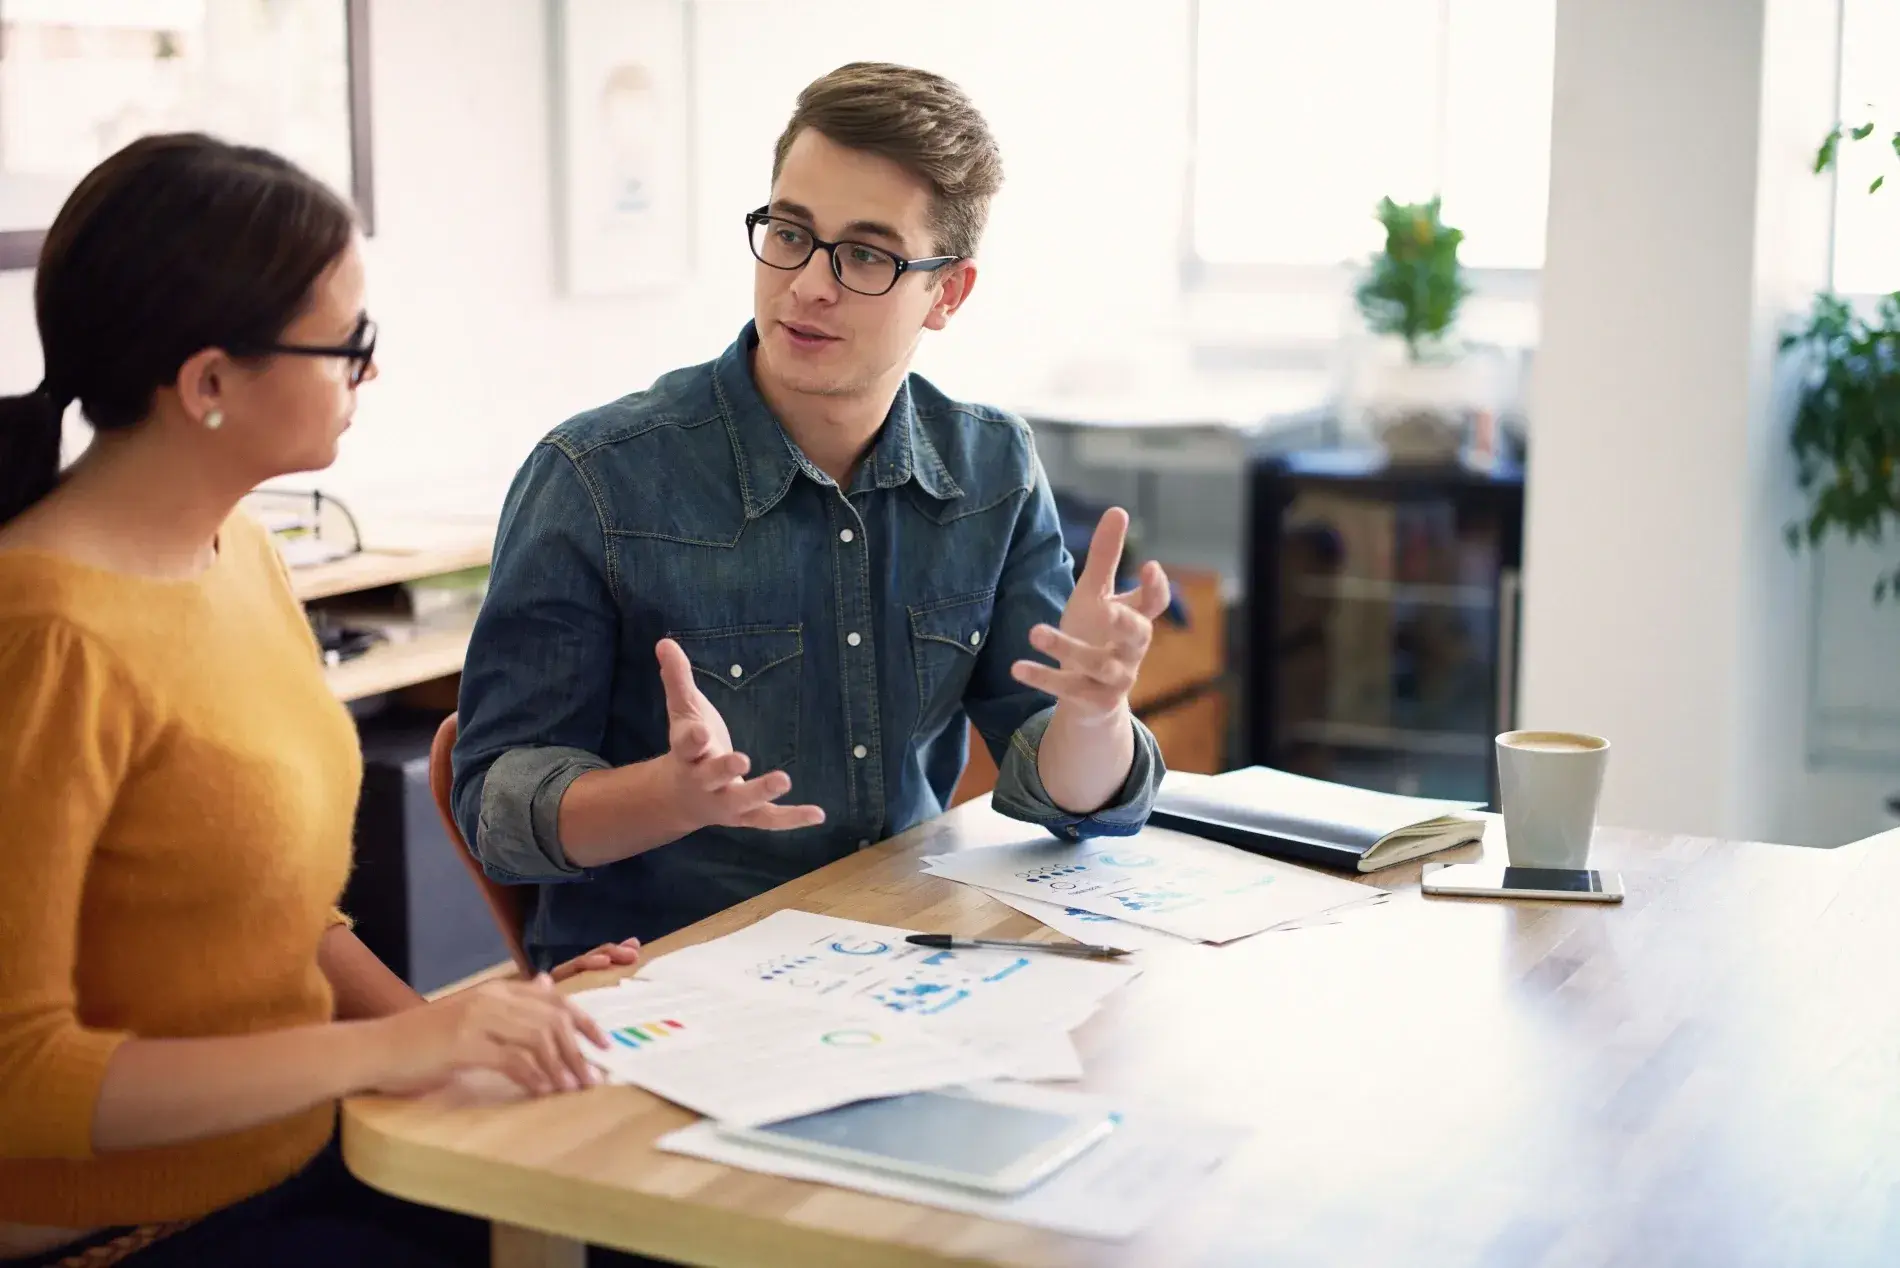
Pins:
<point x="177" y="791"/>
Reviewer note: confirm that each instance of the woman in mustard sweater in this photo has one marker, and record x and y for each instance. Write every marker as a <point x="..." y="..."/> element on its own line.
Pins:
<point x="180" y="1003"/>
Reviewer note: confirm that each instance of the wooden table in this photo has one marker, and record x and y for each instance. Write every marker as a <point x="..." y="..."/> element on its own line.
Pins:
<point x="1706" y="1074"/>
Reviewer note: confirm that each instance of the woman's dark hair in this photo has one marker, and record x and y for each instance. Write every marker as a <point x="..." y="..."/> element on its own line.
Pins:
<point x="175" y="244"/>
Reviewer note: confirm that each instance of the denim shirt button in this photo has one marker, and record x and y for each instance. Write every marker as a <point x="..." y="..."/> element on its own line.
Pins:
<point x="846" y="536"/>
<point x="736" y="671"/>
<point x="860" y="751"/>
<point x="852" y="638"/>
<point x="976" y="639"/>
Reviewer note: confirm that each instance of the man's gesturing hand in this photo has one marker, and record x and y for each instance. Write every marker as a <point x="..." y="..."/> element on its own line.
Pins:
<point x="1103" y="635"/>
<point x="707" y="780"/>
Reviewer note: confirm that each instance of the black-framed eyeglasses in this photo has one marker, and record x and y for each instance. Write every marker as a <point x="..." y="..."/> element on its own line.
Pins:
<point x="360" y="351"/>
<point x="785" y="244"/>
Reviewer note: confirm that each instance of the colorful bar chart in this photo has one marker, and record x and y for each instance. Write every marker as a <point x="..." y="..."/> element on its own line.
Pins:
<point x="646" y="1033"/>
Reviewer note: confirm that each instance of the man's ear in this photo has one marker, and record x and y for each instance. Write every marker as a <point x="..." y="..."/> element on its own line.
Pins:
<point x="954" y="284"/>
<point x="201" y="383"/>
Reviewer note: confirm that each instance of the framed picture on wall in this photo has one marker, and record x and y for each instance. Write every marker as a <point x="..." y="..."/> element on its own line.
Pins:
<point x="622" y="145"/>
<point x="79" y="79"/>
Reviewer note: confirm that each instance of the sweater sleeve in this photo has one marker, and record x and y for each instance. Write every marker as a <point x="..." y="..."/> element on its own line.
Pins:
<point x="69" y="720"/>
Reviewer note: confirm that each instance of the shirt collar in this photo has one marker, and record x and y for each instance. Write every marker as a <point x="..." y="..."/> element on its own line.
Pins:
<point x="767" y="459"/>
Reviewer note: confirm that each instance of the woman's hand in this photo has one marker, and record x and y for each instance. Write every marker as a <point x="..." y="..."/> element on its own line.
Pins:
<point x="608" y="955"/>
<point x="524" y="1030"/>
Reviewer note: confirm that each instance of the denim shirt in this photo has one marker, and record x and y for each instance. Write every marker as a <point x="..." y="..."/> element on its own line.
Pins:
<point x="844" y="639"/>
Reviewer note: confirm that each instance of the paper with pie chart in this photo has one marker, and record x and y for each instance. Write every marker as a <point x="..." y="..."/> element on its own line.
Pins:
<point x="871" y="970"/>
<point x="746" y="1059"/>
<point x="1164" y="880"/>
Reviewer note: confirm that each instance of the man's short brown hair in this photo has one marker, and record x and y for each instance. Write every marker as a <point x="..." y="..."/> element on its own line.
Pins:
<point x="920" y="121"/>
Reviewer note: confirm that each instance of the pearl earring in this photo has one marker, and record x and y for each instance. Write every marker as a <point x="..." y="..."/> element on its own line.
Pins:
<point x="214" y="419"/>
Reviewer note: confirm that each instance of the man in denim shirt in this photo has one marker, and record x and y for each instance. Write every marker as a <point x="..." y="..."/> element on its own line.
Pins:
<point x="830" y="564"/>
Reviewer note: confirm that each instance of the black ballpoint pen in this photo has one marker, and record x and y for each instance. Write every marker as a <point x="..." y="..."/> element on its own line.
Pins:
<point x="948" y="942"/>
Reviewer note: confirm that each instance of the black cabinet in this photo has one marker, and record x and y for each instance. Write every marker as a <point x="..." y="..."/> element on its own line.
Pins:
<point x="412" y="899"/>
<point x="1382" y="631"/>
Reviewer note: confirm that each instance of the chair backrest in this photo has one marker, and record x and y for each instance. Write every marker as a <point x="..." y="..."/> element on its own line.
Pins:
<point x="504" y="901"/>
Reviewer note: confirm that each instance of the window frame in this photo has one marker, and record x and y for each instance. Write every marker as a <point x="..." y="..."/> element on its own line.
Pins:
<point x="1200" y="275"/>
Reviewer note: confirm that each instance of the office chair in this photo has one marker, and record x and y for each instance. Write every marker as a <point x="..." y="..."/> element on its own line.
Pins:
<point x="504" y="901"/>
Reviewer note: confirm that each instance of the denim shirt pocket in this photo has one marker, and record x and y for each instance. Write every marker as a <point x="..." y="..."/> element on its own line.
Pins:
<point x="752" y="675"/>
<point x="946" y="635"/>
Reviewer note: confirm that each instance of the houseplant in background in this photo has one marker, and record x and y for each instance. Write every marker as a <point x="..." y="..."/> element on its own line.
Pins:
<point x="1419" y="395"/>
<point x="1846" y="435"/>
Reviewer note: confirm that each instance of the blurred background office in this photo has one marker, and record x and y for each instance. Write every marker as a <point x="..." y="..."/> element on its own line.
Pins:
<point x="1567" y="511"/>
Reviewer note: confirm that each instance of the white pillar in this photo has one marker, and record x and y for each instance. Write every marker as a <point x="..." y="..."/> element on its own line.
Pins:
<point x="1661" y="608"/>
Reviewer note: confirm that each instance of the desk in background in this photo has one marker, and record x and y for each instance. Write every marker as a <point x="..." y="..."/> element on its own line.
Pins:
<point x="1702" y="1075"/>
<point x="431" y="657"/>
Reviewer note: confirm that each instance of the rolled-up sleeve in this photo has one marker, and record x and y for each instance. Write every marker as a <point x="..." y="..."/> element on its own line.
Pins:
<point x="538" y="676"/>
<point x="1020" y="794"/>
<point x="1038" y="577"/>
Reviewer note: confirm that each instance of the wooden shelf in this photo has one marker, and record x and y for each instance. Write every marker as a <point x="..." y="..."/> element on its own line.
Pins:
<point x="368" y="569"/>
<point x="393" y="666"/>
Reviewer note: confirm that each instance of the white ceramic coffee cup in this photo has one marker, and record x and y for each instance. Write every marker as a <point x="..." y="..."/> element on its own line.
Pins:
<point x="1549" y="782"/>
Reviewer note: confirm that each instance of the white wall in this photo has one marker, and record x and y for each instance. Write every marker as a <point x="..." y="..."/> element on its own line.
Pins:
<point x="1661" y="607"/>
<point x="482" y="354"/>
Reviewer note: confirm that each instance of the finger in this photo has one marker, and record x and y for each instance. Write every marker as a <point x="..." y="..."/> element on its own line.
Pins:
<point x="627" y="952"/>
<point x="522" y="1071"/>
<point x="741" y="798"/>
<point x="496" y="1051"/>
<point x="691" y="741"/>
<point x="1070" y="652"/>
<point x="1152" y="596"/>
<point x="578" y="1071"/>
<point x="584" y="1023"/>
<point x="715" y="773"/>
<point x="783" y="818"/>
<point x="543" y="1039"/>
<point x="676" y="676"/>
<point x="1105" y="552"/>
<point x="1129" y="633"/>
<point x="580" y="964"/>
<point x="1068" y="686"/>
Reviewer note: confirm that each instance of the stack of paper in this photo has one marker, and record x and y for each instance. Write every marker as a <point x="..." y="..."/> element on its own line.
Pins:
<point x="747" y="1061"/>
<point x="801" y="1012"/>
<point x="1018" y="1007"/>
<point x="1163" y="881"/>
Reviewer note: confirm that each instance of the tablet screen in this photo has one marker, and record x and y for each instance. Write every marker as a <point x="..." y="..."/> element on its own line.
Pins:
<point x="956" y="1133"/>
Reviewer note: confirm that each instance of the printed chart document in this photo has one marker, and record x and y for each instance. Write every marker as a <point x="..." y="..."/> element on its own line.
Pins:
<point x="1163" y="880"/>
<point x="1151" y="1161"/>
<point x="744" y="1059"/>
<point x="1087" y="926"/>
<point x="1001" y="997"/>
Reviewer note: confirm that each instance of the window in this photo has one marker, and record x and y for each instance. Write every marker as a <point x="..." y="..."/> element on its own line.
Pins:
<point x="1307" y="114"/>
<point x="1866" y="247"/>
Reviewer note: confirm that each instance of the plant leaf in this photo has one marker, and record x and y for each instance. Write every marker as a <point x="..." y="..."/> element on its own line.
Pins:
<point x="1878" y="182"/>
<point x="1864" y="131"/>
<point x="1824" y="157"/>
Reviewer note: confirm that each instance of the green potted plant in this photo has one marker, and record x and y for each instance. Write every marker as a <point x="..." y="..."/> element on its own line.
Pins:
<point x="1415" y="286"/>
<point x="1846" y="434"/>
<point x="1419" y="400"/>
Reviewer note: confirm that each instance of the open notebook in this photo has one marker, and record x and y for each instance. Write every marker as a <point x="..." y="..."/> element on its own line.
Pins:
<point x="1312" y="821"/>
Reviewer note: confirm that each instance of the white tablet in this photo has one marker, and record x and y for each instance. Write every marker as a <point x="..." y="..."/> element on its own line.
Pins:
<point x="949" y="1137"/>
